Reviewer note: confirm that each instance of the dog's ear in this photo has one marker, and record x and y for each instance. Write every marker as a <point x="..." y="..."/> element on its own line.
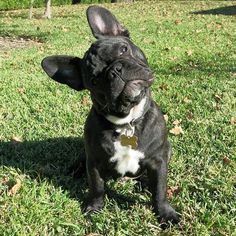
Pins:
<point x="65" y="70"/>
<point x="103" y="23"/>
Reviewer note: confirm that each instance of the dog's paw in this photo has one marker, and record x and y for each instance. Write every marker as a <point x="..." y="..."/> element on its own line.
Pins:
<point x="166" y="214"/>
<point x="93" y="207"/>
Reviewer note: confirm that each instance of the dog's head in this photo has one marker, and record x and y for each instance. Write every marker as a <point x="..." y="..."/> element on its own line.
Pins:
<point x="114" y="70"/>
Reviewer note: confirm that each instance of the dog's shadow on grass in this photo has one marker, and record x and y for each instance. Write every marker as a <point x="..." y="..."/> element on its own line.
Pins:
<point x="50" y="159"/>
<point x="61" y="161"/>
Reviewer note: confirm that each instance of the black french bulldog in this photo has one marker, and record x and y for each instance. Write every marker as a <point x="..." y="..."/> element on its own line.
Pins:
<point x="125" y="133"/>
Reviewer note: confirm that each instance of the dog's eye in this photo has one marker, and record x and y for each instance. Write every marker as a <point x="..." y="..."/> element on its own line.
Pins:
<point x="123" y="50"/>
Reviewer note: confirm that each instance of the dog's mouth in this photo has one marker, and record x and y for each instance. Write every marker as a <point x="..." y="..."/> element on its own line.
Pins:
<point x="132" y="93"/>
<point x="122" y="107"/>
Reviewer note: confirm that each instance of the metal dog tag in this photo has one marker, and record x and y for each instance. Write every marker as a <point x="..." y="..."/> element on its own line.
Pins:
<point x="129" y="141"/>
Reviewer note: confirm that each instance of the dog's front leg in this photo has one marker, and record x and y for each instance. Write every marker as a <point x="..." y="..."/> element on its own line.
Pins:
<point x="157" y="174"/>
<point x="96" y="190"/>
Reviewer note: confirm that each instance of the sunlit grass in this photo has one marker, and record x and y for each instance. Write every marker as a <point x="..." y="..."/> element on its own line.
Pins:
<point x="41" y="123"/>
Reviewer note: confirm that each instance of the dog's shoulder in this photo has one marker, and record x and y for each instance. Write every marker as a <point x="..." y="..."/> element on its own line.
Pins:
<point x="154" y="115"/>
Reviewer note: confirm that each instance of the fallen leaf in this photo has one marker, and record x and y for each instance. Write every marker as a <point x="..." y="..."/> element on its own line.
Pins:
<point x="198" y="31"/>
<point x="163" y="87"/>
<point x="177" y="130"/>
<point x="187" y="100"/>
<point x="5" y="180"/>
<point x="173" y="58"/>
<point x="15" y="189"/>
<point x="226" y="160"/>
<point x="85" y="101"/>
<point x="65" y="29"/>
<point x="148" y="41"/>
<point x="217" y="106"/>
<point x="176" y="122"/>
<point x="178" y="21"/>
<point x="218" y="98"/>
<point x="190" y="115"/>
<point x="208" y="26"/>
<point x="171" y="191"/>
<point x="232" y="120"/>
<point x="218" y="25"/>
<point x="21" y="90"/>
<point x="166" y="118"/>
<point x="189" y="52"/>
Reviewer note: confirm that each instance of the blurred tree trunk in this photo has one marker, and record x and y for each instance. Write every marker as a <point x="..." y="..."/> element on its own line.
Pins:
<point x="31" y="9"/>
<point x="47" y="13"/>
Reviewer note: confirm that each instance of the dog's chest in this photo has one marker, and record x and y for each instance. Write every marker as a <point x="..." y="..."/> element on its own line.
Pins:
<point x="126" y="159"/>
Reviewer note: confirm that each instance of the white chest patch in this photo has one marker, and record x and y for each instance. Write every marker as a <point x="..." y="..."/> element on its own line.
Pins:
<point x="126" y="158"/>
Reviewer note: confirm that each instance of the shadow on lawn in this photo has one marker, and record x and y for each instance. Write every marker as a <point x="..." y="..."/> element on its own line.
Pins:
<point x="228" y="11"/>
<point x="217" y="66"/>
<point x="61" y="161"/>
<point x="50" y="159"/>
<point x="22" y="13"/>
<point x="16" y="33"/>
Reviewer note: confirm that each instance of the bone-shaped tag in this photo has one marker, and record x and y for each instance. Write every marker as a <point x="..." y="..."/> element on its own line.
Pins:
<point x="129" y="141"/>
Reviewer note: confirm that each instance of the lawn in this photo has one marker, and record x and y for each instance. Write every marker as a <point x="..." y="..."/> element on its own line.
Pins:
<point x="193" y="57"/>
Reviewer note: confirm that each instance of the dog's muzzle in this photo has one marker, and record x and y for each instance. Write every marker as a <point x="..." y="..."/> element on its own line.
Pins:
<point x="128" y="82"/>
<point x="128" y="78"/>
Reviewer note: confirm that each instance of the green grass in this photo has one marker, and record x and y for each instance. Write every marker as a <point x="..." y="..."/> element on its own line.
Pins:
<point x="192" y="56"/>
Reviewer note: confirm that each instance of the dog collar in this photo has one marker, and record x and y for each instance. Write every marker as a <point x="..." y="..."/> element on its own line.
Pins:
<point x="126" y="125"/>
<point x="126" y="132"/>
